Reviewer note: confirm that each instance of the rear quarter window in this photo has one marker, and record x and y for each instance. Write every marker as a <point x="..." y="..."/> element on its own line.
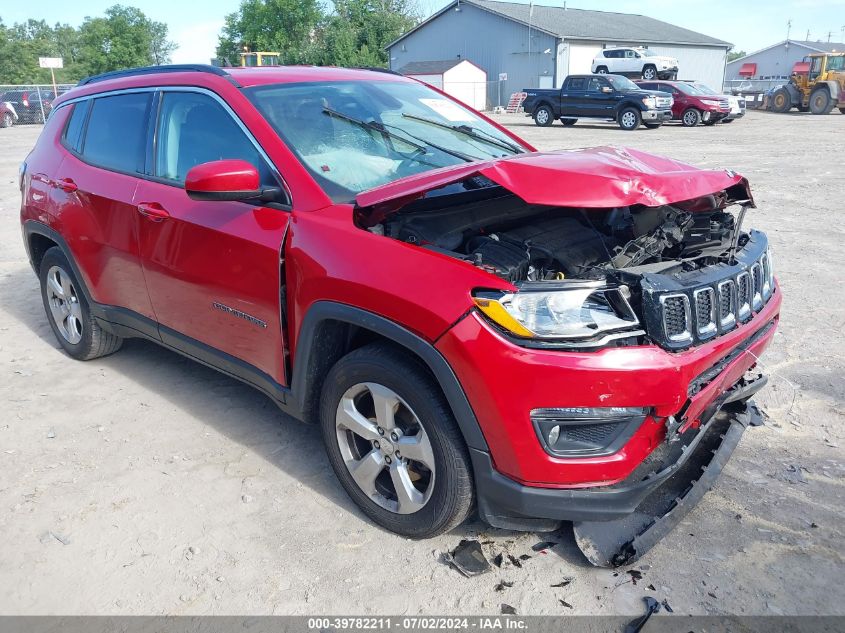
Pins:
<point x="115" y="137"/>
<point x="578" y="83"/>
<point x="72" y="137"/>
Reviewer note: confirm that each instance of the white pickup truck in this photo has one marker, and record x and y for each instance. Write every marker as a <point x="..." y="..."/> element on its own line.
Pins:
<point x="634" y="62"/>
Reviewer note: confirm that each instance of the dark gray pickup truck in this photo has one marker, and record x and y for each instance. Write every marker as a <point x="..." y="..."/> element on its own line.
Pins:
<point x="611" y="97"/>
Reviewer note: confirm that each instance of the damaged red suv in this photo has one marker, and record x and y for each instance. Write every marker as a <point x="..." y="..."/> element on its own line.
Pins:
<point x="541" y="336"/>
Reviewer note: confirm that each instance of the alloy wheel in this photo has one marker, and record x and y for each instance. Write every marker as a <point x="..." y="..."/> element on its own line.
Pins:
<point x="64" y="304"/>
<point x="629" y="119"/>
<point x="385" y="448"/>
<point x="649" y="73"/>
<point x="542" y="117"/>
<point x="689" y="117"/>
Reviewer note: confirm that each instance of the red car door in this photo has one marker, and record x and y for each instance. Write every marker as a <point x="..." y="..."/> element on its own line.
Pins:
<point x="213" y="269"/>
<point x="93" y="193"/>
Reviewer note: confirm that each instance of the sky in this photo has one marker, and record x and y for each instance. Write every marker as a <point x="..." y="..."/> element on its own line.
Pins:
<point x="749" y="24"/>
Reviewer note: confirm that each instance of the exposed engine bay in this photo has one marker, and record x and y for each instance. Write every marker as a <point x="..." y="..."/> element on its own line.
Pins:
<point x="521" y="242"/>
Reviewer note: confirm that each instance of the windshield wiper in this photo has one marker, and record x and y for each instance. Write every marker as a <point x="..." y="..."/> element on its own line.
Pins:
<point x="470" y="131"/>
<point x="381" y="128"/>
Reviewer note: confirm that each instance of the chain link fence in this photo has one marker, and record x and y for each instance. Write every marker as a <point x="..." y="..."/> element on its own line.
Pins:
<point x="28" y="104"/>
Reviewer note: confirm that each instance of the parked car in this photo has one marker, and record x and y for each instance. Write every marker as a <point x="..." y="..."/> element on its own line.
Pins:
<point x="543" y="336"/>
<point x="610" y="97"/>
<point x="634" y="62"/>
<point x="736" y="102"/>
<point x="8" y="115"/>
<point x="32" y="106"/>
<point x="691" y="105"/>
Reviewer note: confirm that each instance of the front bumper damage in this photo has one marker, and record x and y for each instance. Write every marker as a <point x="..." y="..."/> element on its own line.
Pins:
<point x="680" y="486"/>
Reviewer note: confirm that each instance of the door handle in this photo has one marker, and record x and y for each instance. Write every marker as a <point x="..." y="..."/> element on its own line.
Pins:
<point x="66" y="184"/>
<point x="153" y="210"/>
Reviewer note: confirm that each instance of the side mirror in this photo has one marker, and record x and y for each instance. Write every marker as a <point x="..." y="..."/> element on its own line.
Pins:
<point x="223" y="180"/>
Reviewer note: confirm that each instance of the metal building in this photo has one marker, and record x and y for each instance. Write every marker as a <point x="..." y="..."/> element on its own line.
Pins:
<point x="533" y="46"/>
<point x="772" y="65"/>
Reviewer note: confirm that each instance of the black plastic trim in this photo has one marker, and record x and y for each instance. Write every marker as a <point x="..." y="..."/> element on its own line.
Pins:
<point x="502" y="502"/>
<point x="155" y="70"/>
<point x="328" y="310"/>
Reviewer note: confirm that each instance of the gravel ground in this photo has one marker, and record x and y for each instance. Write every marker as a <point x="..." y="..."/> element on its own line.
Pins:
<point x="143" y="483"/>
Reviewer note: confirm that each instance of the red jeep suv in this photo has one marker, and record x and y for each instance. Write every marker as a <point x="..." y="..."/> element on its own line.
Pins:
<point x="471" y="323"/>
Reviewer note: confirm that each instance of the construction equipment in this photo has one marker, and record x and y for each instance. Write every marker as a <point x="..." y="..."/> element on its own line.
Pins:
<point x="817" y="84"/>
<point x="262" y="58"/>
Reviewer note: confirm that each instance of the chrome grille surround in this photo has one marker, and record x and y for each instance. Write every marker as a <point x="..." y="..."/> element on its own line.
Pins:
<point x="685" y="308"/>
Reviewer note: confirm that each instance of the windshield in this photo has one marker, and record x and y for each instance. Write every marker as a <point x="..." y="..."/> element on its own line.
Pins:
<point x="691" y="90"/>
<point x="353" y="135"/>
<point x="622" y="83"/>
<point x="707" y="90"/>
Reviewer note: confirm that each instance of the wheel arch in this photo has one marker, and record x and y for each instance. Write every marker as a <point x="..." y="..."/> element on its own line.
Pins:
<point x="831" y="86"/>
<point x="330" y="330"/>
<point x="38" y="239"/>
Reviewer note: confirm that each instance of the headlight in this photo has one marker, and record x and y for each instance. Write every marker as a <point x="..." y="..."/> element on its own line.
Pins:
<point x="568" y="311"/>
<point x="710" y="102"/>
<point x="649" y="101"/>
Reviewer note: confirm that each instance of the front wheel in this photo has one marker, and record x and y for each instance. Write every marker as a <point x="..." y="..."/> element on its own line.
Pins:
<point x="601" y="70"/>
<point x="728" y="120"/>
<point x="820" y="102"/>
<point x="691" y="117"/>
<point x="7" y="120"/>
<point x="70" y="318"/>
<point x="629" y="119"/>
<point x="394" y="444"/>
<point x="543" y="116"/>
<point x="649" y="72"/>
<point x="710" y="122"/>
<point x="569" y="122"/>
<point x="781" y="100"/>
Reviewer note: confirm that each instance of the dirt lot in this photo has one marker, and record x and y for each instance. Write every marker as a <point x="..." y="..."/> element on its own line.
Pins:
<point x="143" y="483"/>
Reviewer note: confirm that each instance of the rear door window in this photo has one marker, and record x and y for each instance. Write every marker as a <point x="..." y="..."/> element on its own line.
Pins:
<point x="578" y="83"/>
<point x="117" y="130"/>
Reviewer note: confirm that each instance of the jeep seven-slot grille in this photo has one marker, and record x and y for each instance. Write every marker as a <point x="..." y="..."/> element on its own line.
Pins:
<point x="692" y="315"/>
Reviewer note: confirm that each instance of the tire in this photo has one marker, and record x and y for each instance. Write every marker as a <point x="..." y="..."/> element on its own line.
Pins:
<point x="629" y="119"/>
<point x="543" y="116"/>
<point x="710" y="122"/>
<point x="7" y="120"/>
<point x="842" y="110"/>
<point x="601" y="70"/>
<point x="820" y="101"/>
<point x="652" y="126"/>
<point x="440" y="497"/>
<point x="649" y="72"/>
<point x="690" y="117"/>
<point x="781" y="100"/>
<point x="728" y="120"/>
<point x="67" y="310"/>
<point x="569" y="122"/>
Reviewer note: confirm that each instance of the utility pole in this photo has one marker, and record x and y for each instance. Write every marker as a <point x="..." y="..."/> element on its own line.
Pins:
<point x="807" y="39"/>
<point x="829" y="33"/>
<point x="788" y="28"/>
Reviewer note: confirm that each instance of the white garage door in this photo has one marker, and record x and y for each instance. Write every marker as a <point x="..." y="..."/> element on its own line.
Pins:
<point x="581" y="57"/>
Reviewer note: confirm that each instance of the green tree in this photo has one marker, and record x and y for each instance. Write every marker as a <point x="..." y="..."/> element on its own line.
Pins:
<point x="733" y="55"/>
<point x="124" y="38"/>
<point x="358" y="30"/>
<point x="286" y="26"/>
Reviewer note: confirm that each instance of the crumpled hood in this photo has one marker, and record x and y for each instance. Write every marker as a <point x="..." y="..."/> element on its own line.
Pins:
<point x="599" y="177"/>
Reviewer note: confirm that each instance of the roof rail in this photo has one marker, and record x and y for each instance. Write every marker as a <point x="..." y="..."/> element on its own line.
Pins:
<point x="379" y="69"/>
<point x="154" y="70"/>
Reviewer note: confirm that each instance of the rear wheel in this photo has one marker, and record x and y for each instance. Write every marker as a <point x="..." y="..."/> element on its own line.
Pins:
<point x="569" y="122"/>
<point x="70" y="318"/>
<point x="394" y="444"/>
<point x="781" y="100"/>
<point x="629" y="119"/>
<point x="820" y="102"/>
<point x="7" y="120"/>
<point x="649" y="72"/>
<point x="543" y="116"/>
<point x="691" y="117"/>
